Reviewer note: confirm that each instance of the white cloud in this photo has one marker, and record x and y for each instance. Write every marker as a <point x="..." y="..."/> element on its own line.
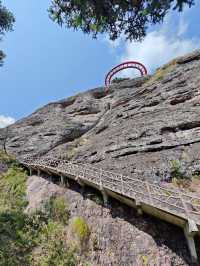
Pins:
<point x="113" y="44"/>
<point x="183" y="27"/>
<point x="6" y="121"/>
<point x="158" y="49"/>
<point x="159" y="46"/>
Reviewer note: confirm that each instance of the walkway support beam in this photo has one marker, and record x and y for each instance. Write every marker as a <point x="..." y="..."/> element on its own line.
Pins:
<point x="139" y="207"/>
<point x="190" y="230"/>
<point x="105" y="197"/>
<point x="62" y="181"/>
<point x="171" y="205"/>
<point x="30" y="172"/>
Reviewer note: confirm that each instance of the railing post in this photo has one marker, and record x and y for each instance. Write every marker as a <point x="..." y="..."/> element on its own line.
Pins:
<point x="188" y="214"/>
<point x="149" y="192"/>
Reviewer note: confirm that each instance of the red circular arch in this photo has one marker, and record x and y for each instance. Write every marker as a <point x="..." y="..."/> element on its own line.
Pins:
<point x="125" y="65"/>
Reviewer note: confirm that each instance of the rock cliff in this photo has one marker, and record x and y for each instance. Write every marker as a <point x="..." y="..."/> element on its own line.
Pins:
<point x="119" y="237"/>
<point x="136" y="126"/>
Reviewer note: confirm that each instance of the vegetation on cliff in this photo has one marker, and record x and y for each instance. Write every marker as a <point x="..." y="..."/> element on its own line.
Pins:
<point x="41" y="238"/>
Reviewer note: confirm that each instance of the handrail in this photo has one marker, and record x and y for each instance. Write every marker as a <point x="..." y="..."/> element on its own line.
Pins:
<point x="173" y="201"/>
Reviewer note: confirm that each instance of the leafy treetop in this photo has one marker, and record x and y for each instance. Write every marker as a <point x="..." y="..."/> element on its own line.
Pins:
<point x="6" y="24"/>
<point x="114" y="17"/>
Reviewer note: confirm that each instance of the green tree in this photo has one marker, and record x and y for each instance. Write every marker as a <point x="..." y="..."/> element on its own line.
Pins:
<point x="6" y="24"/>
<point x="130" y="17"/>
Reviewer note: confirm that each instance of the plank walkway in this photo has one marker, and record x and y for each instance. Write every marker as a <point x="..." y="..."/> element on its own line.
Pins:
<point x="171" y="205"/>
<point x="183" y="205"/>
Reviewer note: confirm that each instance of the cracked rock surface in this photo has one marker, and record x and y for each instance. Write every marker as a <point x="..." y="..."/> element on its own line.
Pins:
<point x="137" y="126"/>
<point x="118" y="236"/>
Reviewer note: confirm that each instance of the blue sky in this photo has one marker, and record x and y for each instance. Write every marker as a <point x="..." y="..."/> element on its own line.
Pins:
<point x="45" y="62"/>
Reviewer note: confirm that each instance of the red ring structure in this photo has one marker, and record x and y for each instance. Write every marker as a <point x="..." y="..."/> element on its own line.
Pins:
<point x="125" y="65"/>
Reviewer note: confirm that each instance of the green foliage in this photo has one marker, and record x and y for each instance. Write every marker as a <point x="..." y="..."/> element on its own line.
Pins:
<point x="38" y="239"/>
<point x="97" y="198"/>
<point x="131" y="18"/>
<point x="196" y="176"/>
<point x="144" y="260"/>
<point x="30" y="241"/>
<point x="7" y="19"/>
<point x="118" y="80"/>
<point x="21" y="234"/>
<point x="57" y="209"/>
<point x="16" y="237"/>
<point x="15" y="240"/>
<point x="95" y="243"/>
<point x="73" y="150"/>
<point x="178" y="177"/>
<point x="2" y="56"/>
<point x="176" y="169"/>
<point x="70" y="153"/>
<point x="80" y="228"/>
<point x="72" y="98"/>
<point x="53" y="249"/>
<point x="12" y="189"/>
<point x="6" y="24"/>
<point x="196" y="202"/>
<point x="7" y="159"/>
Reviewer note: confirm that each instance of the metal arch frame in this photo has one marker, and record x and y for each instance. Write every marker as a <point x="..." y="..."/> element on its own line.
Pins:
<point x="122" y="66"/>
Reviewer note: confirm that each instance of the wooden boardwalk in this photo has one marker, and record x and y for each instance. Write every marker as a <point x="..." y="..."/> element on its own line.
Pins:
<point x="167" y="202"/>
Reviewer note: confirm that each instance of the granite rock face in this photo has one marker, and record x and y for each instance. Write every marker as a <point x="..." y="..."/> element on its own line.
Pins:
<point x="136" y="127"/>
<point x="118" y="235"/>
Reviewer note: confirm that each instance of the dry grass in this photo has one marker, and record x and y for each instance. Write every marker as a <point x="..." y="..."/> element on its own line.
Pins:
<point x="6" y="158"/>
<point x="162" y="72"/>
<point x="73" y="150"/>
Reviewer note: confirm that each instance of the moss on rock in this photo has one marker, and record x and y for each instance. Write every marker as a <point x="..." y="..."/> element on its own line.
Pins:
<point x="80" y="228"/>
